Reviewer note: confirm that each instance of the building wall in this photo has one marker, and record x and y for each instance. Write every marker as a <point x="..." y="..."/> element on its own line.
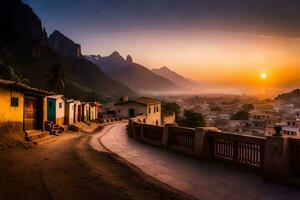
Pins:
<point x="11" y="118"/>
<point x="60" y="111"/>
<point x="7" y="112"/>
<point x="153" y="112"/>
<point x="77" y="107"/>
<point x="169" y="119"/>
<point x="122" y="110"/>
<point x="69" y="113"/>
<point x="153" y="115"/>
<point x="92" y="112"/>
<point x="86" y="114"/>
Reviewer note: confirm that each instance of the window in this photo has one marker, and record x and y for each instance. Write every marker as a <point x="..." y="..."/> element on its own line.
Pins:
<point x="14" y="102"/>
<point x="149" y="110"/>
<point x="60" y="105"/>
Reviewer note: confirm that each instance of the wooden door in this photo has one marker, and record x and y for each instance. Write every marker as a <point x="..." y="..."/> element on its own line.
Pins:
<point x="30" y="113"/>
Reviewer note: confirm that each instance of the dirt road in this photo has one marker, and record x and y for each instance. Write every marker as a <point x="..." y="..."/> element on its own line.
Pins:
<point x="69" y="168"/>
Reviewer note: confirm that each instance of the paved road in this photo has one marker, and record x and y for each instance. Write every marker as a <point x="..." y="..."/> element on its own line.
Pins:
<point x="204" y="181"/>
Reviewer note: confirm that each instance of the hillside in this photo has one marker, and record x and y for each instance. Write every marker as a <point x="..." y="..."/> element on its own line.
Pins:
<point x="132" y="74"/>
<point x="175" y="77"/>
<point x="24" y="45"/>
<point x="292" y="97"/>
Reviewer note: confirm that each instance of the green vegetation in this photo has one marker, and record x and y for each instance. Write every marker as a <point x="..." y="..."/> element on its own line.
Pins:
<point x="56" y="78"/>
<point x="171" y="107"/>
<point x="192" y="119"/>
<point x="248" y="107"/>
<point x="8" y="72"/>
<point x="240" y="115"/>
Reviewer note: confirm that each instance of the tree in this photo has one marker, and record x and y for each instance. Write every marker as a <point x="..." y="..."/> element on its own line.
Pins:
<point x="240" y="115"/>
<point x="8" y="72"/>
<point x="192" y="119"/>
<point x="56" y="78"/>
<point x="248" y="107"/>
<point x="171" y="107"/>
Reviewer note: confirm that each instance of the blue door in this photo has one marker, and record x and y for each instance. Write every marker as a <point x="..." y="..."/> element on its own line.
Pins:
<point x="51" y="110"/>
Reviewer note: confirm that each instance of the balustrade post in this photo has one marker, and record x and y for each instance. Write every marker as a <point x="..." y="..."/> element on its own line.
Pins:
<point x="276" y="159"/>
<point x="202" y="142"/>
<point x="142" y="132"/>
<point x="131" y="128"/>
<point x="165" y="140"/>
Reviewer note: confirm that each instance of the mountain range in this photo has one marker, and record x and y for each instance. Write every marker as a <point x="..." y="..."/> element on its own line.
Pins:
<point x="25" y="46"/>
<point x="133" y="75"/>
<point x="175" y="78"/>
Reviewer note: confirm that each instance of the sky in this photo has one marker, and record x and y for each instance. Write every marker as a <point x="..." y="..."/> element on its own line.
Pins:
<point x="220" y="43"/>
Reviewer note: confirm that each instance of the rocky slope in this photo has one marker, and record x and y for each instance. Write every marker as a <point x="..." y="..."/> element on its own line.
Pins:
<point x="63" y="46"/>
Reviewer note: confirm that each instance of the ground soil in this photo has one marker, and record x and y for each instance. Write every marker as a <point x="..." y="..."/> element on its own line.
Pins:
<point x="68" y="168"/>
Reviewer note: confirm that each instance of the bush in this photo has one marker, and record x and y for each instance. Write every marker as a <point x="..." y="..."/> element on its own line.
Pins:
<point x="192" y="119"/>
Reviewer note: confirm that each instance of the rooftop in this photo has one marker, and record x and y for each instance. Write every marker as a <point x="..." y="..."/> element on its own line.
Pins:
<point x="142" y="100"/>
<point x="24" y="88"/>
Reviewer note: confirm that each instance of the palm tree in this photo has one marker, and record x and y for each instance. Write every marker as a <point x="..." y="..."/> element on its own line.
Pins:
<point x="56" y="78"/>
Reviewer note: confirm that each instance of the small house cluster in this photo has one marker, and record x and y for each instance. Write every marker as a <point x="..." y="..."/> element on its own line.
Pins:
<point x="29" y="110"/>
<point x="149" y="107"/>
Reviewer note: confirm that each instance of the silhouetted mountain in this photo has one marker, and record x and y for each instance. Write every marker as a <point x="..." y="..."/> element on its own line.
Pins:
<point x="21" y="32"/>
<point x="175" y="78"/>
<point x="63" y="46"/>
<point x="132" y="74"/>
<point x="24" y="45"/>
<point x="292" y="97"/>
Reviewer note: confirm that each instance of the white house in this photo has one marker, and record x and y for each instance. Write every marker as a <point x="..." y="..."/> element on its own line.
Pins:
<point x="56" y="109"/>
<point x="143" y="105"/>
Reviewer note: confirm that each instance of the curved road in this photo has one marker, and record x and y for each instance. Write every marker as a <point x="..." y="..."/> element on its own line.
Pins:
<point x="68" y="168"/>
<point x="203" y="181"/>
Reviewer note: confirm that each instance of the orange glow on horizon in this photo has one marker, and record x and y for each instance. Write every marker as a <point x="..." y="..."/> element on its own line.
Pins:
<point x="219" y="59"/>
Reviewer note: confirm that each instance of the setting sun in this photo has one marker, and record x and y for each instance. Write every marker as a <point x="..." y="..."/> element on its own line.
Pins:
<point x="264" y="76"/>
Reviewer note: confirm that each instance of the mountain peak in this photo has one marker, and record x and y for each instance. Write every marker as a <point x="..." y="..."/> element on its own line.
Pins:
<point x="164" y="68"/>
<point x="174" y="77"/>
<point x="64" y="46"/>
<point x="116" y="57"/>
<point x="129" y="59"/>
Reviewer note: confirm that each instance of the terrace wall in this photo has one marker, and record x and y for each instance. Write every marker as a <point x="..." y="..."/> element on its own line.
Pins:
<point x="273" y="157"/>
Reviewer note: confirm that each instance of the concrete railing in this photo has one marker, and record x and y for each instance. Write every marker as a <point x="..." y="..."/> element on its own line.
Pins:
<point x="275" y="157"/>
<point x="110" y="120"/>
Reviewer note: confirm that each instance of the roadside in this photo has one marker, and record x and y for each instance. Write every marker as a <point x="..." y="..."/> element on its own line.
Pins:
<point x="68" y="168"/>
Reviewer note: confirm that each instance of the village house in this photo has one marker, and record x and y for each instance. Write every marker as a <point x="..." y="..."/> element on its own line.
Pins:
<point x="56" y="109"/>
<point x="73" y="111"/>
<point x="85" y="111"/>
<point x="23" y="109"/>
<point x="94" y="110"/>
<point x="149" y="107"/>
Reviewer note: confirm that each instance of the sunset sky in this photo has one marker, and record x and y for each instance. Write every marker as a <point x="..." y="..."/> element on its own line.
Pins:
<point x="226" y="43"/>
